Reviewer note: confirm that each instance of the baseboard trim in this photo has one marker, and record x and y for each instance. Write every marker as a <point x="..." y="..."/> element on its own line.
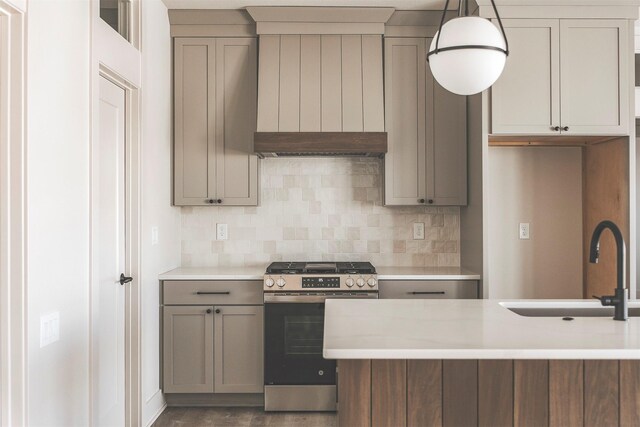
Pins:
<point x="157" y="414"/>
<point x="215" y="399"/>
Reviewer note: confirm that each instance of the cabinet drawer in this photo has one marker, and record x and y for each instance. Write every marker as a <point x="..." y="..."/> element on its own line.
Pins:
<point x="206" y="292"/>
<point x="429" y="289"/>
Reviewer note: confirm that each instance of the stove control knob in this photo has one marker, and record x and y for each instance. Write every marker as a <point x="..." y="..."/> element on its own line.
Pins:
<point x="371" y="282"/>
<point x="349" y="282"/>
<point x="360" y="282"/>
<point x="269" y="282"/>
<point x="281" y="282"/>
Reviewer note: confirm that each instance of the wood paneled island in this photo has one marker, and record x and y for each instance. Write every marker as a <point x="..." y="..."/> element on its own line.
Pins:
<point x="476" y="363"/>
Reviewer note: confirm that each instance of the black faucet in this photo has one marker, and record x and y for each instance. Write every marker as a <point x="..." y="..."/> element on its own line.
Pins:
<point x="620" y="299"/>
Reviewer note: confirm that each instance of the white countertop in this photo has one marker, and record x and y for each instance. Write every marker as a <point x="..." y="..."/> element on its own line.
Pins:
<point x="471" y="329"/>
<point x="215" y="273"/>
<point x="425" y="273"/>
<point x="257" y="273"/>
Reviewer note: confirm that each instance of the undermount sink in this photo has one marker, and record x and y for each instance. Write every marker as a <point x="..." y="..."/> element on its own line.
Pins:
<point x="566" y="309"/>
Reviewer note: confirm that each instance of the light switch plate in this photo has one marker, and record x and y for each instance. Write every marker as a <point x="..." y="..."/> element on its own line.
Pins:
<point x="418" y="231"/>
<point x="154" y="235"/>
<point x="49" y="328"/>
<point x="523" y="231"/>
<point x="222" y="232"/>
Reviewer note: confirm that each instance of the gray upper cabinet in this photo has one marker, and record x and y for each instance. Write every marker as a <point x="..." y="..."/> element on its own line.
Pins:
<point x="320" y="83"/>
<point x="188" y="349"/>
<point x="446" y="145"/>
<point x="526" y="97"/>
<point x="239" y="349"/>
<point x="215" y="87"/>
<point x="426" y="126"/>
<point x="594" y="77"/>
<point x="563" y="77"/>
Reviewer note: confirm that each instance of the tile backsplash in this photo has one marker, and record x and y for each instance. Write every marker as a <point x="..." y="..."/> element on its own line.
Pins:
<point x="313" y="209"/>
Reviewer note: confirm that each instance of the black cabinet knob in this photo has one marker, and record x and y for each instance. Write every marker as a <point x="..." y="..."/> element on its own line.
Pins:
<point x="219" y="201"/>
<point x="565" y="128"/>
<point x="210" y="201"/>
<point x="217" y="311"/>
<point x="208" y="311"/>
<point x="555" y="128"/>
<point x="430" y="201"/>
<point x="421" y="201"/>
<point x="124" y="279"/>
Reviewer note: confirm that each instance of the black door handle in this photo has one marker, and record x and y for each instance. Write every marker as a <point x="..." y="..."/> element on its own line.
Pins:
<point x="124" y="279"/>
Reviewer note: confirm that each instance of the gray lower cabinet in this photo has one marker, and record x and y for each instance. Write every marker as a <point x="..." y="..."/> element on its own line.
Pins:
<point x="212" y="336"/>
<point x="215" y="89"/>
<point x="426" y="163"/>
<point x="429" y="289"/>
<point x="238" y="349"/>
<point x="188" y="349"/>
<point x="213" y="349"/>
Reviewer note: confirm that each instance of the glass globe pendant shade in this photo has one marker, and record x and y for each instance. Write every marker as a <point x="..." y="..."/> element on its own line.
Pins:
<point x="467" y="55"/>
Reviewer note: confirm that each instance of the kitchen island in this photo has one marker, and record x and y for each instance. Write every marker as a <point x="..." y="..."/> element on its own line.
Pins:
<point x="477" y="362"/>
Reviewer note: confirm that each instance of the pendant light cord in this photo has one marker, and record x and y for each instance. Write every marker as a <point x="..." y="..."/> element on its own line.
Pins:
<point x="444" y="14"/>
<point x="504" y="35"/>
<point x="466" y="11"/>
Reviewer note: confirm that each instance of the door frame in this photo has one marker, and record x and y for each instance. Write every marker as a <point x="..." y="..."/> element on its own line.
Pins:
<point x="13" y="221"/>
<point x="132" y="248"/>
<point x="119" y="61"/>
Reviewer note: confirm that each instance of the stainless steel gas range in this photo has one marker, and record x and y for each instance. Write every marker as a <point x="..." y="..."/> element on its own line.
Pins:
<point x="297" y="377"/>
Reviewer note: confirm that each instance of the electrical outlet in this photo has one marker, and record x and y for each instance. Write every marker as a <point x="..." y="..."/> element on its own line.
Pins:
<point x="49" y="328"/>
<point x="222" y="232"/>
<point x="154" y="235"/>
<point x="523" y="230"/>
<point x="418" y="231"/>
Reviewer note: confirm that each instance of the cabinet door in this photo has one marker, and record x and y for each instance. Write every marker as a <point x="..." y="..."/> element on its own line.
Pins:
<point x="239" y="356"/>
<point x="526" y="97"/>
<point x="446" y="153"/>
<point x="194" y="138"/>
<point x="594" y="76"/>
<point x="188" y="349"/>
<point x="405" y="63"/>
<point x="235" y="118"/>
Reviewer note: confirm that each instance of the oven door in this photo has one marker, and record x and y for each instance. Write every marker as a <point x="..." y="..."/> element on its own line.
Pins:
<point x="293" y="345"/>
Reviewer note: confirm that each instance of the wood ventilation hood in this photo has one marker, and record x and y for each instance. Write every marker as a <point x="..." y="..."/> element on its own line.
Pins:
<point x="320" y="81"/>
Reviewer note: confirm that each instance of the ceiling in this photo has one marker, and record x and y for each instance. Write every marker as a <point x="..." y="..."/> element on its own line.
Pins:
<point x="240" y="4"/>
<point x="398" y="4"/>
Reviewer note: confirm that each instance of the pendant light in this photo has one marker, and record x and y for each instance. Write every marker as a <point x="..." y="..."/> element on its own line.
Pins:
<point x="468" y="53"/>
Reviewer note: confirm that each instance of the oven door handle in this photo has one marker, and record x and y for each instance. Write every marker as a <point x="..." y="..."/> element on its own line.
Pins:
<point x="314" y="299"/>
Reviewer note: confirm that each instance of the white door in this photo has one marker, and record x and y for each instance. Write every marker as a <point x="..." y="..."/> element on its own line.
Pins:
<point x="109" y="245"/>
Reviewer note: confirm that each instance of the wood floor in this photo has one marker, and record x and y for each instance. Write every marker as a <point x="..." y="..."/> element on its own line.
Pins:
<point x="242" y="417"/>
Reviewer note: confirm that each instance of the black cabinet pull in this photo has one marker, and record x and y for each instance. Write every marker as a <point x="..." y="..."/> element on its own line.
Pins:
<point x="210" y="201"/>
<point x="565" y="128"/>
<point x="421" y="201"/>
<point x="124" y="279"/>
<point x="212" y="293"/>
<point x="219" y="201"/>
<point x="427" y="293"/>
<point x="430" y="201"/>
<point x="208" y="311"/>
<point x="217" y="311"/>
<point x="555" y="128"/>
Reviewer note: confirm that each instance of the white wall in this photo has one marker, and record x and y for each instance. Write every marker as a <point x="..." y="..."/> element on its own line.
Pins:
<point x="57" y="203"/>
<point x="156" y="192"/>
<point x="541" y="186"/>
